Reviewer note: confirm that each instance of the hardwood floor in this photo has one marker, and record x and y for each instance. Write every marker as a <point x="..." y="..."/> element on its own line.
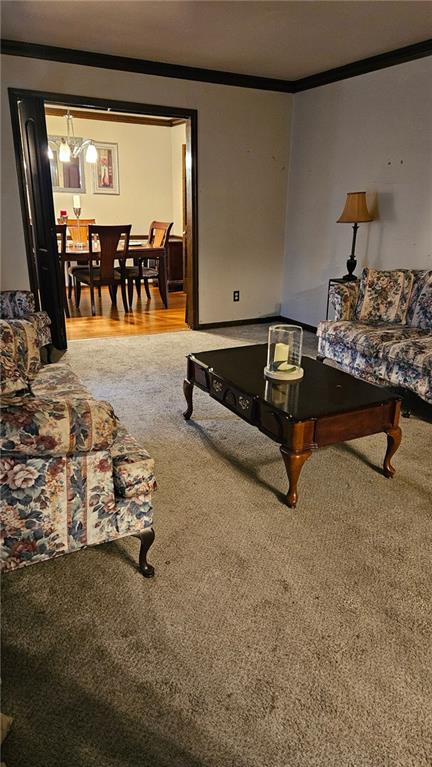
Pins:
<point x="146" y="316"/>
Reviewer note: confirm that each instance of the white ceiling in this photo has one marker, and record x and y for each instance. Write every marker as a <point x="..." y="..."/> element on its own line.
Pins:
<point x="285" y="39"/>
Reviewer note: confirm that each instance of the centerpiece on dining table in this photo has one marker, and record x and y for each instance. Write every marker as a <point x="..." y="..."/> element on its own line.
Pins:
<point x="284" y="353"/>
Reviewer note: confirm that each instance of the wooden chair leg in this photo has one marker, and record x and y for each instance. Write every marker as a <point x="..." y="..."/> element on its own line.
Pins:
<point x="138" y="263"/>
<point x="92" y="301"/>
<point x="100" y="291"/>
<point x="114" y="295"/>
<point x="162" y="282"/>
<point x="77" y="293"/>
<point x="124" y="297"/>
<point x="147" y="289"/>
<point x="130" y="287"/>
<point x="70" y="281"/>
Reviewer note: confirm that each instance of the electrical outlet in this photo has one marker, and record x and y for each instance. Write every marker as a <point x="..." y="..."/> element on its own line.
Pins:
<point x="236" y="295"/>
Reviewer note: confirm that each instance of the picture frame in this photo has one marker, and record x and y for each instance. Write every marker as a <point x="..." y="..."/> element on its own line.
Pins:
<point x="68" y="177"/>
<point x="106" y="169"/>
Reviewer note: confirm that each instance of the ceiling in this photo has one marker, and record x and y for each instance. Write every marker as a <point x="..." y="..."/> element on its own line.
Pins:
<point x="286" y="40"/>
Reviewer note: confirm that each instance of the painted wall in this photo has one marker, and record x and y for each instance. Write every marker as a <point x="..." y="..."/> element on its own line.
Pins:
<point x="243" y="153"/>
<point x="150" y="187"/>
<point x="370" y="133"/>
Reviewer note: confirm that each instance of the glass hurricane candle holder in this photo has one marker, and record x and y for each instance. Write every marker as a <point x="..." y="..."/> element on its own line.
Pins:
<point x="284" y="353"/>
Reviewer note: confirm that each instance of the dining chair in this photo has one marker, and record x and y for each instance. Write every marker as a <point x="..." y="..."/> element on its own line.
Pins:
<point x="113" y="245"/>
<point x="158" y="238"/>
<point x="79" y="236"/>
<point x="61" y="233"/>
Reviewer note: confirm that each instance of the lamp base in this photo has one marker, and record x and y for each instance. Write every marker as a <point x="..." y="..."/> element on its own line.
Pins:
<point x="351" y="265"/>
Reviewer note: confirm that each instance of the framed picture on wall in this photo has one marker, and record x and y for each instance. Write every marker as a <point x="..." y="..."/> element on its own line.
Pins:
<point x="66" y="176"/>
<point x="106" y="170"/>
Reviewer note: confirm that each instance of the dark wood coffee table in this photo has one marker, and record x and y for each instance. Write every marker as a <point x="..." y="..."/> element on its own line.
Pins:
<point x="326" y="407"/>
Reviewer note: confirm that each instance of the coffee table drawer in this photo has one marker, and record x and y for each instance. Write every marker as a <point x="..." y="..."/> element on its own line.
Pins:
<point x="234" y="399"/>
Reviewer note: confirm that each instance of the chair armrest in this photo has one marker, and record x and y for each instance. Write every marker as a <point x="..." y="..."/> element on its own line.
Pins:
<point x="16" y="303"/>
<point x="36" y="426"/>
<point x="343" y="299"/>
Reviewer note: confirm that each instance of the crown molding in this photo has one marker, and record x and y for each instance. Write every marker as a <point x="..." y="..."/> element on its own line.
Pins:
<point x="142" y="66"/>
<point x="363" y="66"/>
<point x="160" y="69"/>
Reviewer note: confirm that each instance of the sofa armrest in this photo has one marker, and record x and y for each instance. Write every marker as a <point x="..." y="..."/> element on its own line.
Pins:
<point x="16" y="303"/>
<point x="133" y="468"/>
<point x="343" y="299"/>
<point x="36" y="426"/>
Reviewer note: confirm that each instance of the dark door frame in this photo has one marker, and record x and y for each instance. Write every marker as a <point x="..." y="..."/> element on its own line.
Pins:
<point x="91" y="102"/>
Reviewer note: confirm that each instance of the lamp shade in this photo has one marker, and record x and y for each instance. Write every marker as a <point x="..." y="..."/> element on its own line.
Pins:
<point x="355" y="210"/>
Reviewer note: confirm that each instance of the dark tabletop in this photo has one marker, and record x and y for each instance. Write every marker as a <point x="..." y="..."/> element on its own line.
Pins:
<point x="322" y="391"/>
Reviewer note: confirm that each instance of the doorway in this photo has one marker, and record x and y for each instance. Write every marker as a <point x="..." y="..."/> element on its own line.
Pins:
<point x="28" y="111"/>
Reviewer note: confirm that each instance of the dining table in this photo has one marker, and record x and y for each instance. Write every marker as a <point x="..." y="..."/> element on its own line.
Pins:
<point x="80" y="253"/>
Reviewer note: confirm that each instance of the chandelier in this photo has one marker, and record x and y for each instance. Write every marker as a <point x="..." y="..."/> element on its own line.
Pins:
<point x="71" y="147"/>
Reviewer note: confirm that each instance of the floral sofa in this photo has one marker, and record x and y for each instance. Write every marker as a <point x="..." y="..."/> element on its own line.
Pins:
<point x="382" y="330"/>
<point x="71" y="475"/>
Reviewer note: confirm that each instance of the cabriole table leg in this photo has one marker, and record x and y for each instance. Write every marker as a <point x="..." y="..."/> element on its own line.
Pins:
<point x="394" y="437"/>
<point x="188" y="391"/>
<point x="293" y="464"/>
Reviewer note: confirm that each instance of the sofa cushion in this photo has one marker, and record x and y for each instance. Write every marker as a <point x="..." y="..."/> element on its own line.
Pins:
<point x="35" y="426"/>
<point x="370" y="340"/>
<point x="384" y="295"/>
<point x="133" y="469"/>
<point x="58" y="381"/>
<point x="415" y="353"/>
<point x="19" y="355"/>
<point x="419" y="313"/>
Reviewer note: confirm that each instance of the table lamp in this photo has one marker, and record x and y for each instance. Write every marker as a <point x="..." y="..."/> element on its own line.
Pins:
<point x="355" y="212"/>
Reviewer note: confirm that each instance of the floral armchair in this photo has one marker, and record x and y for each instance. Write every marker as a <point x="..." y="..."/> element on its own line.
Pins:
<point x="382" y="331"/>
<point x="71" y="475"/>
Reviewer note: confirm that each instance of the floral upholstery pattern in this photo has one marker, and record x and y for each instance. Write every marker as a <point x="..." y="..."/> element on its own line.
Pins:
<point x="386" y="352"/>
<point x="369" y="339"/>
<point x="16" y="303"/>
<point x="133" y="467"/>
<point x="71" y="477"/>
<point x="19" y="355"/>
<point x="56" y="505"/>
<point x="343" y="298"/>
<point x="61" y="379"/>
<point x="420" y="310"/>
<point x="20" y="304"/>
<point x="384" y="296"/>
<point x="34" y="426"/>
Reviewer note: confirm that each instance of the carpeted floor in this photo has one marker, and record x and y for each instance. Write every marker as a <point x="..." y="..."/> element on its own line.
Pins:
<point x="269" y="637"/>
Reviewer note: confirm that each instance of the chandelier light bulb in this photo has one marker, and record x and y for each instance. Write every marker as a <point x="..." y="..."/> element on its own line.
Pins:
<point x="91" y="154"/>
<point x="64" y="152"/>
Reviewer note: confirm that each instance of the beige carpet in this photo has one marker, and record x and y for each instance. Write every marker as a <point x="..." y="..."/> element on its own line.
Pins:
<point x="270" y="637"/>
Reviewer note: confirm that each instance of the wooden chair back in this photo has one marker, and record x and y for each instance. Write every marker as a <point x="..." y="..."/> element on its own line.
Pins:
<point x="61" y="232"/>
<point x="110" y="249"/>
<point x="79" y="234"/>
<point x="159" y="233"/>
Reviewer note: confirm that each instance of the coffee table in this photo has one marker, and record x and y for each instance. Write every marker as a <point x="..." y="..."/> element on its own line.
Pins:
<point x="326" y="407"/>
